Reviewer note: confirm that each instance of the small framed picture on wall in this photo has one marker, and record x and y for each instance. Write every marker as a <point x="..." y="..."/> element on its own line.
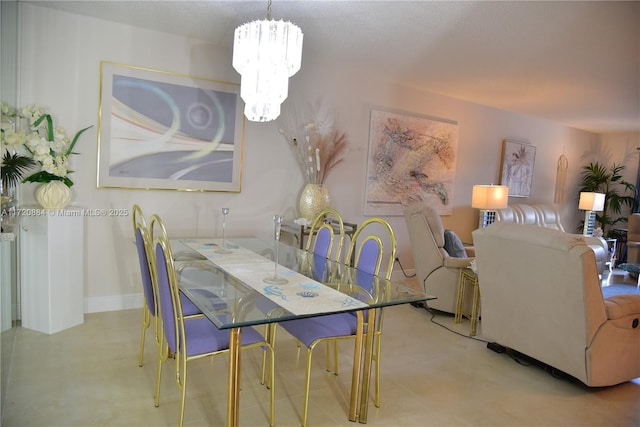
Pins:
<point x="518" y="159"/>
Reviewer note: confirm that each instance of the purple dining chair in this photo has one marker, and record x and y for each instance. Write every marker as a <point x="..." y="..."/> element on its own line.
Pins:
<point x="190" y="338"/>
<point x="149" y="309"/>
<point x="333" y="327"/>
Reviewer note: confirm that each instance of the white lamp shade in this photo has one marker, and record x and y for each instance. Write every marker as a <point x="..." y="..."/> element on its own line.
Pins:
<point x="591" y="201"/>
<point x="490" y="197"/>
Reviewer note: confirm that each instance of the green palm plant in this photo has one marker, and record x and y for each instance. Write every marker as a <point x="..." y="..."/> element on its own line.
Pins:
<point x="13" y="168"/>
<point x="618" y="193"/>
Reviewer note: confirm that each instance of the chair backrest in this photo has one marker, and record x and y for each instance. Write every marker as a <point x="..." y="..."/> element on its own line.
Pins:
<point x="426" y="234"/>
<point x="169" y="306"/>
<point x="540" y="293"/>
<point x="321" y="234"/>
<point x="506" y="215"/>
<point x="548" y="216"/>
<point x="368" y="249"/>
<point x="525" y="214"/>
<point x="143" y="245"/>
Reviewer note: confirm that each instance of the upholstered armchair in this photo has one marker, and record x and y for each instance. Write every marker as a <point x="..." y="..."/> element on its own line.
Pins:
<point x="541" y="296"/>
<point x="547" y="216"/>
<point x="436" y="271"/>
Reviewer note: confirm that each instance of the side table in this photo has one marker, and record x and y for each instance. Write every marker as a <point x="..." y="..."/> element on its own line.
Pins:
<point x="468" y="276"/>
<point x="611" y="256"/>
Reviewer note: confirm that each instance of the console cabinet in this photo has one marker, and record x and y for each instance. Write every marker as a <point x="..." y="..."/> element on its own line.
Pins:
<point x="52" y="270"/>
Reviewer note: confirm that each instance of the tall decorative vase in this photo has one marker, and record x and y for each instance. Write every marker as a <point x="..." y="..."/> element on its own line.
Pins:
<point x="313" y="200"/>
<point x="53" y="195"/>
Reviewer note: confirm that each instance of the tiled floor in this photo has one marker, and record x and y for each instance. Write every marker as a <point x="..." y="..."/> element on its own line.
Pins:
<point x="432" y="376"/>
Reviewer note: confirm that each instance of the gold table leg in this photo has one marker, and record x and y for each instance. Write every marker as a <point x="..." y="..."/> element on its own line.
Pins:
<point x="233" y="399"/>
<point x="357" y="360"/>
<point x="366" y="374"/>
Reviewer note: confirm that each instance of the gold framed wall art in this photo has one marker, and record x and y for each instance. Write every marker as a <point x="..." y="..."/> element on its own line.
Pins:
<point x="161" y="130"/>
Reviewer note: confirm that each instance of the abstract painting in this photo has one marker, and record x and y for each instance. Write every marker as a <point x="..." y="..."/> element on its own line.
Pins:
<point x="518" y="159"/>
<point x="160" y="130"/>
<point x="411" y="157"/>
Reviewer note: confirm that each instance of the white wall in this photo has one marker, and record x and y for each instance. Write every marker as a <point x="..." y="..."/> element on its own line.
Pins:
<point x="61" y="56"/>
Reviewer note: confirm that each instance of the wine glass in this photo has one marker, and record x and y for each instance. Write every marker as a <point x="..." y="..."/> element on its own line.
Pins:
<point x="223" y="249"/>
<point x="277" y="219"/>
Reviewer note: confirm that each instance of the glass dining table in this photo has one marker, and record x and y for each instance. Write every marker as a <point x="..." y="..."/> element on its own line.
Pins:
<point x="230" y="289"/>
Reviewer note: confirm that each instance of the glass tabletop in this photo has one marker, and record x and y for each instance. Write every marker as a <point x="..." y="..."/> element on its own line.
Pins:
<point x="230" y="300"/>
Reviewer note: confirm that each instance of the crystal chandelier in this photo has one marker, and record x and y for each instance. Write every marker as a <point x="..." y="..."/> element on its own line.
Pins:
<point x="266" y="53"/>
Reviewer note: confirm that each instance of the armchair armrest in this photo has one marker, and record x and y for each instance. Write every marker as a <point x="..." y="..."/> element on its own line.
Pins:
<point x="594" y="241"/>
<point x="620" y="306"/>
<point x="470" y="250"/>
<point x="451" y="262"/>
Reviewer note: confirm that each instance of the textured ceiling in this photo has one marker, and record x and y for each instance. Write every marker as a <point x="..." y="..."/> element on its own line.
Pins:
<point x="577" y="63"/>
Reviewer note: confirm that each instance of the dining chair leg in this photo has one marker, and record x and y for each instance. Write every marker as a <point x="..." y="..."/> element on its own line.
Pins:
<point x="271" y="386"/>
<point x="328" y="356"/>
<point x="156" y="397"/>
<point x="335" y="357"/>
<point x="267" y="335"/>
<point x="305" y="405"/>
<point x="376" y="359"/>
<point x="146" y="321"/>
<point x="183" y="385"/>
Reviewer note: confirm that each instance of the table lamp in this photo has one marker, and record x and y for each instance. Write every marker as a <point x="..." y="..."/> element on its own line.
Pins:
<point x="489" y="198"/>
<point x="590" y="203"/>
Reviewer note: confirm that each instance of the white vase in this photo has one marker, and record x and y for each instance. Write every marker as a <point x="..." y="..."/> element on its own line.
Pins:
<point x="53" y="195"/>
<point x="313" y="200"/>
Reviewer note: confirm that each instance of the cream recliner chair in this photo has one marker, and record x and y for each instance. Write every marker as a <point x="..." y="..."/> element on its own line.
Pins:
<point x="541" y="296"/>
<point x="546" y="215"/>
<point x="436" y="271"/>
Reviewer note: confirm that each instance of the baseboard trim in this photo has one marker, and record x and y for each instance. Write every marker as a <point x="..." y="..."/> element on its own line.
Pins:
<point x="113" y="303"/>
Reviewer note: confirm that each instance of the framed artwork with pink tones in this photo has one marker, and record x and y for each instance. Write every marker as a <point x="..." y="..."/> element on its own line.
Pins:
<point x="411" y="157"/>
<point x="168" y="131"/>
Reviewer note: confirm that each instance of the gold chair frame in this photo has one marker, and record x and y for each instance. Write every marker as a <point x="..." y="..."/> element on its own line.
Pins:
<point x="340" y="281"/>
<point x="180" y="356"/>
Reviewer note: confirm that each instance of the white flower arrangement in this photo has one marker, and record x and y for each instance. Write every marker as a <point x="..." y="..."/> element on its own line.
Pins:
<point x="318" y="147"/>
<point x="48" y="145"/>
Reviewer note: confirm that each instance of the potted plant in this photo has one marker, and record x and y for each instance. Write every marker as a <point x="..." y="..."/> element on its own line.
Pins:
<point x="618" y="193"/>
<point x="13" y="167"/>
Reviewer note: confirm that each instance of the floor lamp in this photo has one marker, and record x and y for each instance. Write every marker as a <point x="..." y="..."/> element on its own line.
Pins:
<point x="489" y="198"/>
<point x="590" y="203"/>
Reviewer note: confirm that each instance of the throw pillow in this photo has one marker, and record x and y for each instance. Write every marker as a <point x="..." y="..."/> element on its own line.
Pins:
<point x="453" y="245"/>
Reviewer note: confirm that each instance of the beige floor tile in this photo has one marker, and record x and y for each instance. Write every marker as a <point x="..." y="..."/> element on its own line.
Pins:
<point x="433" y="374"/>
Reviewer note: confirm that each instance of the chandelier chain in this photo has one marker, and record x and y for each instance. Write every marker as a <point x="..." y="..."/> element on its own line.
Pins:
<point x="269" y="11"/>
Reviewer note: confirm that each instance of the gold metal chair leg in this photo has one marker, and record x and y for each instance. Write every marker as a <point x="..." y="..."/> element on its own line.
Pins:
<point x="376" y="358"/>
<point x="328" y="355"/>
<point x="335" y="357"/>
<point x="305" y="406"/>
<point x="146" y="321"/>
<point x="183" y="390"/>
<point x="156" y="397"/>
